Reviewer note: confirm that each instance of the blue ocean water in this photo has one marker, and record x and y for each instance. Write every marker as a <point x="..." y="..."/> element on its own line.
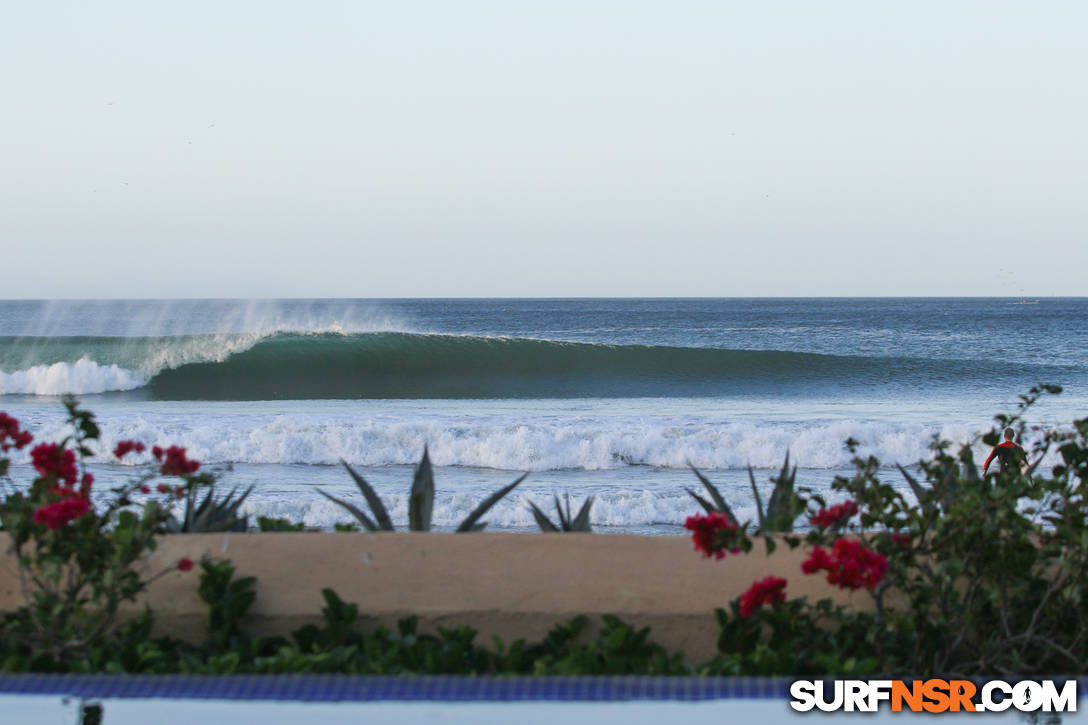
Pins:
<point x="611" y="398"/>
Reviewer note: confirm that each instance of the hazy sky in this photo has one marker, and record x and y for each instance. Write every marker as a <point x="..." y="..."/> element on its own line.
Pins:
<point x="559" y="148"/>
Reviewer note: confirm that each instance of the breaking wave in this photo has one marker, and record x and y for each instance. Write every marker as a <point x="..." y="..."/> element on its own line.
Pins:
<point x="330" y="365"/>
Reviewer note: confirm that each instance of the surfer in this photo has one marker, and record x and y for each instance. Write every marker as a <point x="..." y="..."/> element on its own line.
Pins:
<point x="1008" y="453"/>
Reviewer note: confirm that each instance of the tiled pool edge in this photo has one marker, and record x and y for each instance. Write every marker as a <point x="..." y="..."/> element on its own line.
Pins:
<point x="349" y="688"/>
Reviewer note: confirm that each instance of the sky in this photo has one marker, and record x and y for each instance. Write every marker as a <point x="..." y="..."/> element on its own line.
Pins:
<point x="486" y="148"/>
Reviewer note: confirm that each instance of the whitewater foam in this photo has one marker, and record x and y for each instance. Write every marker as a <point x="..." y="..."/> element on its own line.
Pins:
<point x="553" y="443"/>
<point x="82" y="377"/>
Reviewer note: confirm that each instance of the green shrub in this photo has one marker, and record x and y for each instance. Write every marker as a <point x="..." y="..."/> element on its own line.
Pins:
<point x="975" y="576"/>
<point x="77" y="562"/>
<point x="269" y="524"/>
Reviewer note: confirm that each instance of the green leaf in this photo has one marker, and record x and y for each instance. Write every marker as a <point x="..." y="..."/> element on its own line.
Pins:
<point x="715" y="495"/>
<point x="421" y="498"/>
<point x="542" y="520"/>
<point x="363" y="519"/>
<point x="564" y="518"/>
<point x="581" y="521"/>
<point x="780" y="509"/>
<point x="487" y="503"/>
<point x="707" y="506"/>
<point x="372" y="499"/>
<point x="919" y="492"/>
<point x="759" y="501"/>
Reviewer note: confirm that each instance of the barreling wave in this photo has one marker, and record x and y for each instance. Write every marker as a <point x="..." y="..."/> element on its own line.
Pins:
<point x="410" y="365"/>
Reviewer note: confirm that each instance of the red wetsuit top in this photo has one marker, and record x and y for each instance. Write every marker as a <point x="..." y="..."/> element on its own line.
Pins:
<point x="1006" y="453"/>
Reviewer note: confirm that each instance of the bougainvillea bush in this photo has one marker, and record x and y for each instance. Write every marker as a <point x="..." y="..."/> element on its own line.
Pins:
<point x="77" y="559"/>
<point x="966" y="575"/>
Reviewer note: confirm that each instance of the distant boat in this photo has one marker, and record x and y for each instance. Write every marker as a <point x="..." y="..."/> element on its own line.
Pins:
<point x="1025" y="302"/>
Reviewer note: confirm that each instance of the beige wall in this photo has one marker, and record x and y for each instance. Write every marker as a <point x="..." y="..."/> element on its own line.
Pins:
<point x="510" y="585"/>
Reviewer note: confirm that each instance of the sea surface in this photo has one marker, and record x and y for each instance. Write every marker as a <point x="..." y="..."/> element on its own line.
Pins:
<point x="610" y="398"/>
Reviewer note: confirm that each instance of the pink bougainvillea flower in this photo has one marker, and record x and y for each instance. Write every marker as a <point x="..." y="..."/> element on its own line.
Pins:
<point x="162" y="488"/>
<point x="836" y="515"/>
<point x="50" y="459"/>
<point x="157" y="452"/>
<point x="10" y="434"/>
<point x="144" y="488"/>
<point x="764" y="591"/>
<point x="849" y="565"/>
<point x="185" y="564"/>
<point x="125" y="447"/>
<point x="707" y="533"/>
<point x="175" y="462"/>
<point x="899" y="539"/>
<point x="56" y="515"/>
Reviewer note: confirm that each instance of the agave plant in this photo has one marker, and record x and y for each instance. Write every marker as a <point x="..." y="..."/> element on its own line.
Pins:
<point x="420" y="501"/>
<point x="210" y="515"/>
<point x="579" y="523"/>
<point x="781" y="510"/>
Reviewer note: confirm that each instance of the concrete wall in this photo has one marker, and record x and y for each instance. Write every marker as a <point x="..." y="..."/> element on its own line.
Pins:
<point x="510" y="585"/>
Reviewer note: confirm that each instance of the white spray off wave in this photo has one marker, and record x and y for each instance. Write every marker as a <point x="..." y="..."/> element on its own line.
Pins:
<point x="147" y="356"/>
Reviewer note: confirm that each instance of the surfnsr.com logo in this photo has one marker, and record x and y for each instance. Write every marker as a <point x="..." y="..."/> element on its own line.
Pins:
<point x="934" y="695"/>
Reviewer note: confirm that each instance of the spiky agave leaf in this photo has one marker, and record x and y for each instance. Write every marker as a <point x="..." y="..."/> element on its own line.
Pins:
<point x="949" y="487"/>
<point x="542" y="519"/>
<point x="715" y="495"/>
<point x="919" y="492"/>
<point x="564" y="519"/>
<point x="221" y="515"/>
<point x="759" y="501"/>
<point x="707" y="506"/>
<point x="469" y="524"/>
<point x="421" y="498"/>
<point x="355" y="511"/>
<point x="780" y="509"/>
<point x="581" y="521"/>
<point x="210" y="515"/>
<point x="381" y="516"/>
<point x="567" y="523"/>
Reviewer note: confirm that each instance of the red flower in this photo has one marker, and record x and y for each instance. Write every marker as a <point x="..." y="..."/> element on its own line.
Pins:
<point x="125" y="447"/>
<point x="849" y="565"/>
<point x="835" y="516"/>
<point x="162" y="488"/>
<point x="58" y="514"/>
<point x="713" y="533"/>
<point x="765" y="591"/>
<point x="157" y="452"/>
<point x="185" y="564"/>
<point x="50" y="459"/>
<point x="144" y="488"/>
<point x="10" y="435"/>
<point x="176" y="464"/>
<point x="902" y="540"/>
<point x="180" y="491"/>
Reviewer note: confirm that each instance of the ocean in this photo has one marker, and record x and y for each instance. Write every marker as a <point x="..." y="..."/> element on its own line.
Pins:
<point x="612" y="398"/>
